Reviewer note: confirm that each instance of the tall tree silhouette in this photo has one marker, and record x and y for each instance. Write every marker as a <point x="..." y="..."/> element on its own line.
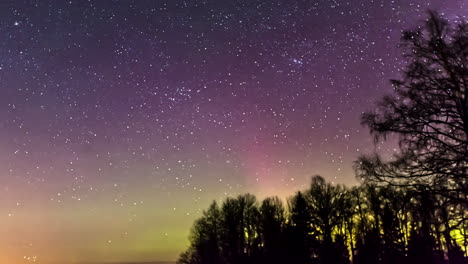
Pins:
<point x="428" y="112"/>
<point x="301" y="241"/>
<point x="327" y="205"/>
<point x="394" y="207"/>
<point x="205" y="239"/>
<point x="272" y="226"/>
<point x="369" y="240"/>
<point x="240" y="238"/>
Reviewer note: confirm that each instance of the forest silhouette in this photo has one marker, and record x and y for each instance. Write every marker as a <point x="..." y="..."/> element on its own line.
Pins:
<point x="412" y="208"/>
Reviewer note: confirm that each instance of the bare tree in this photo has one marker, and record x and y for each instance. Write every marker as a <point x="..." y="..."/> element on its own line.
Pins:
<point x="429" y="114"/>
<point x="328" y="211"/>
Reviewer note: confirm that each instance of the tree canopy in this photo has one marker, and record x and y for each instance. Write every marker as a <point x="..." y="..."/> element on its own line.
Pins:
<point x="428" y="112"/>
<point x="331" y="224"/>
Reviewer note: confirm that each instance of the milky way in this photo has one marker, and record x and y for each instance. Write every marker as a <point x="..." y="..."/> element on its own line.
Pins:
<point x="121" y="120"/>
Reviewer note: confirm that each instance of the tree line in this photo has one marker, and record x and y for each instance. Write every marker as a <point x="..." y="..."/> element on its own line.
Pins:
<point x="412" y="208"/>
<point x="332" y="224"/>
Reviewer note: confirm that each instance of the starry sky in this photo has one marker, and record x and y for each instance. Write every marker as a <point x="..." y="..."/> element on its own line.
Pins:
<point x="121" y="120"/>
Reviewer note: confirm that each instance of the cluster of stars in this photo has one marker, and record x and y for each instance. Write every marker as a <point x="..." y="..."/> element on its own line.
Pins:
<point x="124" y="119"/>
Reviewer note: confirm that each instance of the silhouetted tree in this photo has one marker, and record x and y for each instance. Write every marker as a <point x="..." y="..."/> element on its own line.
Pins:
<point x="393" y="247"/>
<point x="190" y="256"/>
<point x="421" y="249"/>
<point x="369" y="241"/>
<point x="240" y="237"/>
<point x="299" y="234"/>
<point x="428" y="113"/>
<point x="272" y="229"/>
<point x="380" y="224"/>
<point x="368" y="248"/>
<point x="205" y="239"/>
<point x="327" y="205"/>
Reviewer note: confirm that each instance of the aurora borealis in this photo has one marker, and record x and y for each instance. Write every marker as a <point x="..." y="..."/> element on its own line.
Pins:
<point x="121" y="120"/>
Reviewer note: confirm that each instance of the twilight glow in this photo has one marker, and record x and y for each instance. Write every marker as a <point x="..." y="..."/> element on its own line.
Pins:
<point x="121" y="120"/>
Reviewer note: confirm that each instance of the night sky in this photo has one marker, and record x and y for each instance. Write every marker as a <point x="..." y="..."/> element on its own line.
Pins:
<point x="121" y="120"/>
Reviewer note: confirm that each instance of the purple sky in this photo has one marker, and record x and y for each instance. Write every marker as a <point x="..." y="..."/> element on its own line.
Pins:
<point x="121" y="120"/>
